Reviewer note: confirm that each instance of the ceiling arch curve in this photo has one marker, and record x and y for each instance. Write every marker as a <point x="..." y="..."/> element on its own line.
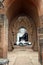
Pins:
<point x="18" y="7"/>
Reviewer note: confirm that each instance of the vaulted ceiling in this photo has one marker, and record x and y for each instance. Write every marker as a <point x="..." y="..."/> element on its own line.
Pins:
<point x="22" y="7"/>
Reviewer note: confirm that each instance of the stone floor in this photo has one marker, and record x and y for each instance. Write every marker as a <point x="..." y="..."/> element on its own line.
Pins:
<point x="23" y="57"/>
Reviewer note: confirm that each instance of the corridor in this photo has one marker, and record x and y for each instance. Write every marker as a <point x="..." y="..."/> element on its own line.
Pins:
<point x="14" y="16"/>
<point x="23" y="56"/>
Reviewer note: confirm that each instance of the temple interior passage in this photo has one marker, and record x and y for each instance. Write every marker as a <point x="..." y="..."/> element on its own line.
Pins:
<point x="21" y="32"/>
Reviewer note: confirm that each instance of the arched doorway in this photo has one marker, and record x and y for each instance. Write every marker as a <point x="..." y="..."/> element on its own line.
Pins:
<point x="16" y="25"/>
<point x="27" y="7"/>
<point x="22" y="24"/>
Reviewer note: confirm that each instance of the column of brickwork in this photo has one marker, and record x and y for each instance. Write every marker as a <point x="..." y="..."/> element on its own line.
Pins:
<point x="40" y="45"/>
<point x="41" y="39"/>
<point x="1" y="35"/>
<point x="4" y="38"/>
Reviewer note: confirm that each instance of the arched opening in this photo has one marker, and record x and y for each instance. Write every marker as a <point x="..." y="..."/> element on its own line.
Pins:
<point x="17" y="29"/>
<point x="29" y="9"/>
<point x="19" y="13"/>
<point x="22" y="24"/>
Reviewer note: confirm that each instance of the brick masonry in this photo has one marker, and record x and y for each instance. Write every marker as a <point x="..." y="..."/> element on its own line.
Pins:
<point x="16" y="24"/>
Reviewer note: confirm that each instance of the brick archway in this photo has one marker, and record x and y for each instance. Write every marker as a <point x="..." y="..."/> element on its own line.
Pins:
<point x="26" y="22"/>
<point x="14" y="8"/>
